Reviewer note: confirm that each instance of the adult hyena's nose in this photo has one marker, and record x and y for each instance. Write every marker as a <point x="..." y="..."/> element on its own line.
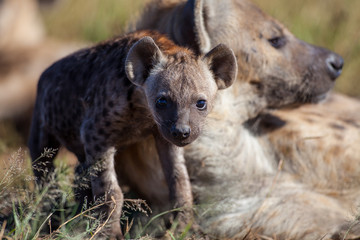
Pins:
<point x="334" y="63"/>
<point x="181" y="132"/>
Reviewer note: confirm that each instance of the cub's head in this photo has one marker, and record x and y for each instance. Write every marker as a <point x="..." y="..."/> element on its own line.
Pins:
<point x="179" y="86"/>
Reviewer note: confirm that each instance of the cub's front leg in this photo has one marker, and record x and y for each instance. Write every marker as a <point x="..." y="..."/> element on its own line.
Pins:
<point x="174" y="168"/>
<point x="100" y="166"/>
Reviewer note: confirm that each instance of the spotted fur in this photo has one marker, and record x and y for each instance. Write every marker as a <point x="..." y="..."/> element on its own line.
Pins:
<point x="106" y="97"/>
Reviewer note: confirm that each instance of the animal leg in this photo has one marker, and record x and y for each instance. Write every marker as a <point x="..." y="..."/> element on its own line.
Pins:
<point x="173" y="164"/>
<point x="105" y="189"/>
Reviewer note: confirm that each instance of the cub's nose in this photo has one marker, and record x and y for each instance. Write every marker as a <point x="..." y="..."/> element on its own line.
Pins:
<point x="181" y="132"/>
<point x="334" y="63"/>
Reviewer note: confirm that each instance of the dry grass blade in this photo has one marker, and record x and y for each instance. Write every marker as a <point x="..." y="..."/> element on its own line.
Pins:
<point x="80" y="214"/>
<point x="106" y="221"/>
<point x="41" y="226"/>
<point x="3" y="229"/>
<point x="128" y="226"/>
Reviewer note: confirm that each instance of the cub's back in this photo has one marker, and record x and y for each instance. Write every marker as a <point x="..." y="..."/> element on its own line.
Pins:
<point x="83" y="81"/>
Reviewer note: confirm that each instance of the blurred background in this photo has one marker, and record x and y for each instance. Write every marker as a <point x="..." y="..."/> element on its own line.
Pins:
<point x="35" y="33"/>
<point x="334" y="24"/>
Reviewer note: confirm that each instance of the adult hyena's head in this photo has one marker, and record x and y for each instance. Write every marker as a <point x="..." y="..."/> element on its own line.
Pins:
<point x="277" y="68"/>
<point x="179" y="86"/>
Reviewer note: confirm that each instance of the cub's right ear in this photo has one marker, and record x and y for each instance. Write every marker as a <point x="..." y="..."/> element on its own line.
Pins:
<point x="142" y="57"/>
<point x="222" y="62"/>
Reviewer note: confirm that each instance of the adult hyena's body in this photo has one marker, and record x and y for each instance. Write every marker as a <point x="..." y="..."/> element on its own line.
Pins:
<point x="234" y="165"/>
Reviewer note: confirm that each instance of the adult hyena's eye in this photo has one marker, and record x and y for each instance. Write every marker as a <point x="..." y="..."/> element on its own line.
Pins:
<point x="277" y="42"/>
<point x="161" y="102"/>
<point x="201" y="104"/>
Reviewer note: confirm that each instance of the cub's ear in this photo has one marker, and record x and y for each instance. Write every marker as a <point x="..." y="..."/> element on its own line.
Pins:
<point x="222" y="63"/>
<point x="141" y="58"/>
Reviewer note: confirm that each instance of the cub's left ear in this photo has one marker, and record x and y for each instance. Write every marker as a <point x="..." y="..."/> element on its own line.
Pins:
<point x="142" y="57"/>
<point x="222" y="63"/>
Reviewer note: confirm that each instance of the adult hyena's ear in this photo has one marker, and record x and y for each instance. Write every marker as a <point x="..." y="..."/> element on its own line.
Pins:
<point x="222" y="63"/>
<point x="141" y="58"/>
<point x="190" y="28"/>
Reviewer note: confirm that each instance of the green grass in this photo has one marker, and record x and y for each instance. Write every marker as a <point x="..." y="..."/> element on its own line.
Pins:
<point x="51" y="212"/>
<point x="28" y="212"/>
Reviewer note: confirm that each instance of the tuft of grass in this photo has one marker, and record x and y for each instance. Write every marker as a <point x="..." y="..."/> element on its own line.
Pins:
<point x="28" y="212"/>
<point x="51" y="212"/>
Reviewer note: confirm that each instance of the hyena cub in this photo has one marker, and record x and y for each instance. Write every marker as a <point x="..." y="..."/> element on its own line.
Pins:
<point x="100" y="99"/>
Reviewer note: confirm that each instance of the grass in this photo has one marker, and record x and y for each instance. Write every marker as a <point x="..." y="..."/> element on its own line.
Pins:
<point x="51" y="212"/>
<point x="28" y="212"/>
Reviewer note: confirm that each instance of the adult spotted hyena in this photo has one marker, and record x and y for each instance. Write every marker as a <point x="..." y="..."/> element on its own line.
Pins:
<point x="255" y="171"/>
<point x="103" y="98"/>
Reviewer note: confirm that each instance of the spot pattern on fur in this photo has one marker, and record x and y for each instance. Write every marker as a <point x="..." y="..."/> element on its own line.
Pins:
<point x="105" y="97"/>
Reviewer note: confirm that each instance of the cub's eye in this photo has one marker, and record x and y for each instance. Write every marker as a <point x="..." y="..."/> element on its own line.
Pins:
<point x="201" y="104"/>
<point x="277" y="42"/>
<point x="161" y="102"/>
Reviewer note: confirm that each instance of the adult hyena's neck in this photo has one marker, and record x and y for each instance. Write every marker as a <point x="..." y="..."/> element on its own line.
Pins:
<point x="237" y="104"/>
<point x="227" y="139"/>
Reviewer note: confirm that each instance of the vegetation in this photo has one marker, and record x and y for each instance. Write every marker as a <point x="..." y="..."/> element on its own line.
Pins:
<point x="51" y="212"/>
